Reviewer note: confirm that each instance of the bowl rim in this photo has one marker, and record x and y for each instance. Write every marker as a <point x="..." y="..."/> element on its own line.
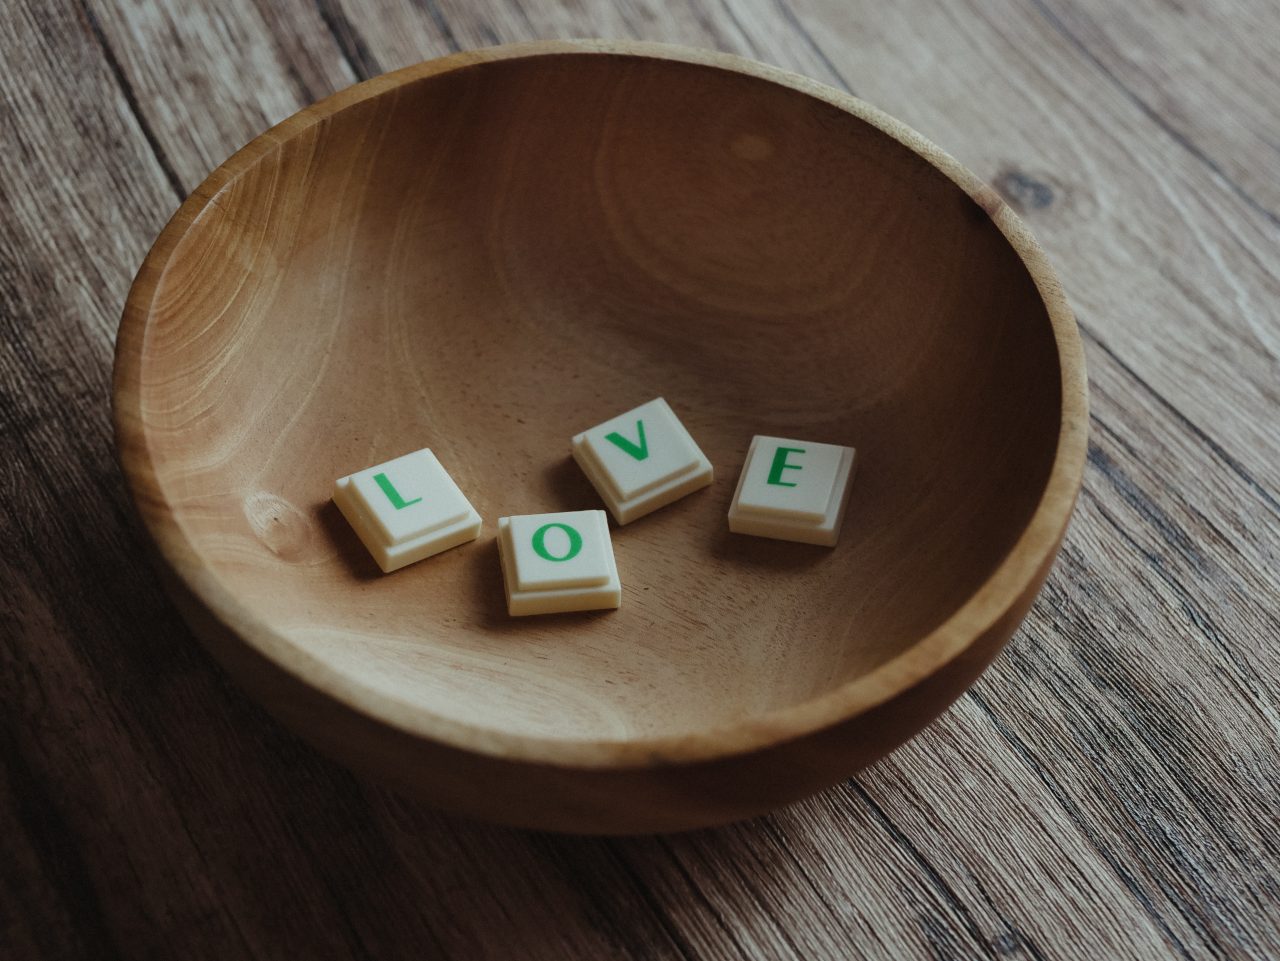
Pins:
<point x="1025" y="562"/>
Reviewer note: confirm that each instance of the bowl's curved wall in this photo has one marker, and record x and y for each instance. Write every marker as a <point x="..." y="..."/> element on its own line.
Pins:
<point x="487" y="259"/>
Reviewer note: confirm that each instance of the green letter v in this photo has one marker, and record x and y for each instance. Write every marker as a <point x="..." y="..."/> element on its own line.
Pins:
<point x="638" y="451"/>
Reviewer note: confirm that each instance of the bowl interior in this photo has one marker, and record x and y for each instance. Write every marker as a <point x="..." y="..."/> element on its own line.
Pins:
<point x="489" y="260"/>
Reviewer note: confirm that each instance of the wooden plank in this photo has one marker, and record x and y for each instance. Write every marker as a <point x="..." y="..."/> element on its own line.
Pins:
<point x="209" y="78"/>
<point x="1112" y="785"/>
<point x="1208" y="74"/>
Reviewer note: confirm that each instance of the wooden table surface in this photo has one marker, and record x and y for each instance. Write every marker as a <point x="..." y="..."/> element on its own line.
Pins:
<point x="1109" y="788"/>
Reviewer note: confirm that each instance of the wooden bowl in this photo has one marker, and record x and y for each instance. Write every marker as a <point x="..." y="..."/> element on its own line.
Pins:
<point x="488" y="253"/>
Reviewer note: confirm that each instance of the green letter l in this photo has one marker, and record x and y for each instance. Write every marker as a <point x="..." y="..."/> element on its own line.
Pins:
<point x="393" y="495"/>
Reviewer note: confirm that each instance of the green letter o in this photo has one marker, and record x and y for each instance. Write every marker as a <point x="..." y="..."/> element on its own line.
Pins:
<point x="540" y="542"/>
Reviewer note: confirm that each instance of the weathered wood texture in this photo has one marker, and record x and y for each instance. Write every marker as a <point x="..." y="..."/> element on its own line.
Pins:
<point x="1109" y="789"/>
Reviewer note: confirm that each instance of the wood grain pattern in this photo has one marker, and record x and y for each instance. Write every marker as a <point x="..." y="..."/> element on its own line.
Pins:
<point x="1111" y="783"/>
<point x="453" y="256"/>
